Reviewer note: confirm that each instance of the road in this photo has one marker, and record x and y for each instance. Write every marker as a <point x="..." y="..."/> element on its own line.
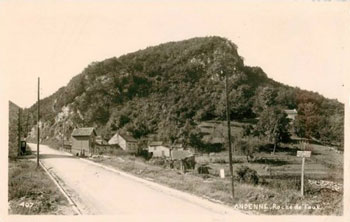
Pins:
<point x="99" y="191"/>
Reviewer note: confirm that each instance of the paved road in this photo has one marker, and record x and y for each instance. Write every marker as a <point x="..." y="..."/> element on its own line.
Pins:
<point x="100" y="191"/>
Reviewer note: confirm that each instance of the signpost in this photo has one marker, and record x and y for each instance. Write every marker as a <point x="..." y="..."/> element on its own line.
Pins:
<point x="303" y="155"/>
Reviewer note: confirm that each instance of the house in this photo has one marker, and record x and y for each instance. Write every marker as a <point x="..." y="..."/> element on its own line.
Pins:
<point x="83" y="141"/>
<point x="158" y="149"/>
<point x="125" y="141"/>
<point x="291" y="113"/>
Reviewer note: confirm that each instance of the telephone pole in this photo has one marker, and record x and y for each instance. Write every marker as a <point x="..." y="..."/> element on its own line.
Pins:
<point x="38" y="127"/>
<point x="229" y="134"/>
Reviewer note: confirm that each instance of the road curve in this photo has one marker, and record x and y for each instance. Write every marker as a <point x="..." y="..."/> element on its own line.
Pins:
<point x="98" y="191"/>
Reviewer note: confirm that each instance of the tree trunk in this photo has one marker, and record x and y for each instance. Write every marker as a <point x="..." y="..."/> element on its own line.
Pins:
<point x="274" y="147"/>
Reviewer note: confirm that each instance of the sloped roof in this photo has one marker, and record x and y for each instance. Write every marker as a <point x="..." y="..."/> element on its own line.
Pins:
<point x="180" y="154"/>
<point x="127" y="137"/>
<point x="156" y="143"/>
<point x="83" y="131"/>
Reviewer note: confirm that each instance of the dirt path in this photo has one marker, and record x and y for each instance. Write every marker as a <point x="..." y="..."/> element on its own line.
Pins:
<point x="96" y="190"/>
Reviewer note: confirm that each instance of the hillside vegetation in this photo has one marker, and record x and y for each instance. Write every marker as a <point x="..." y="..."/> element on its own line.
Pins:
<point x="167" y="90"/>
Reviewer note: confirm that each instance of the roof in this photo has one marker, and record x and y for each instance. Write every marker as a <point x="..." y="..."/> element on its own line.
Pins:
<point x="127" y="137"/>
<point x="177" y="146"/>
<point x="291" y="111"/>
<point x="180" y="154"/>
<point x="83" y="131"/>
<point x="156" y="143"/>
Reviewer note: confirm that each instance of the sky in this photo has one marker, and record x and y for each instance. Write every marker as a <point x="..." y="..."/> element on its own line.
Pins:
<point x="303" y="44"/>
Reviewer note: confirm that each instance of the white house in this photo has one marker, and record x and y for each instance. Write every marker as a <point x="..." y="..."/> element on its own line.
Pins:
<point x="291" y="113"/>
<point x="158" y="149"/>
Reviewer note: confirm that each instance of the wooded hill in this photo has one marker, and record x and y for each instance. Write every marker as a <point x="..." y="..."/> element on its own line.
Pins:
<point x="168" y="89"/>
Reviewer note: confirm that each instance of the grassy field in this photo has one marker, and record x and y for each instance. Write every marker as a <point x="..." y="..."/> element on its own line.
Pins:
<point x="32" y="192"/>
<point x="278" y="187"/>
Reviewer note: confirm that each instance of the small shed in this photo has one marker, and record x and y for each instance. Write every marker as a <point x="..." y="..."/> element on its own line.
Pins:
<point x="158" y="149"/>
<point x="83" y="141"/>
<point x="125" y="141"/>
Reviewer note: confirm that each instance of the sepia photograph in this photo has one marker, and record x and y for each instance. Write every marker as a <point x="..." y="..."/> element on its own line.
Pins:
<point x="174" y="110"/>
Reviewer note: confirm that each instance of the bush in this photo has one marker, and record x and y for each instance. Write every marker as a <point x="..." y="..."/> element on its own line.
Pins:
<point x="247" y="175"/>
<point x="157" y="161"/>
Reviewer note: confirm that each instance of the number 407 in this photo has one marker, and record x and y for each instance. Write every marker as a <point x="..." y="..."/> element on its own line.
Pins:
<point x="26" y="204"/>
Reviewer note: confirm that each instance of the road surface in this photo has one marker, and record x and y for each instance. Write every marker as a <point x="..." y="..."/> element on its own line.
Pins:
<point x="99" y="191"/>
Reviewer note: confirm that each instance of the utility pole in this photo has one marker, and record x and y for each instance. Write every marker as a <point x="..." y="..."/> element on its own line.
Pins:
<point x="19" y="132"/>
<point x="229" y="134"/>
<point x="38" y="127"/>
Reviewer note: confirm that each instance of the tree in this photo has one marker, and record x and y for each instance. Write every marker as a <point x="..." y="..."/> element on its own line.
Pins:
<point x="265" y="97"/>
<point x="247" y="146"/>
<point x="274" y="124"/>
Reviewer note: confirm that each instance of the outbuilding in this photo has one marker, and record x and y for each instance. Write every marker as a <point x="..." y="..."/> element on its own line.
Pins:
<point x="83" y="141"/>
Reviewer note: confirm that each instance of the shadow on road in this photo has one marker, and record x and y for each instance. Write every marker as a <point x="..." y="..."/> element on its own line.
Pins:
<point x="47" y="156"/>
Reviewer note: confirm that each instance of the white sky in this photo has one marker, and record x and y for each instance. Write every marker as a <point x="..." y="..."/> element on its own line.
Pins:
<point x="299" y="44"/>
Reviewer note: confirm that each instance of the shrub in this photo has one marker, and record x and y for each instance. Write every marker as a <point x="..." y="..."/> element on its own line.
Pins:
<point x="158" y="161"/>
<point x="247" y="175"/>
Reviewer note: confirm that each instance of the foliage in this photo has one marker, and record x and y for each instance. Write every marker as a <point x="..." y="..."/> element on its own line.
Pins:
<point x="274" y="124"/>
<point x="247" y="146"/>
<point x="167" y="89"/>
<point x="13" y="130"/>
<point x="247" y="175"/>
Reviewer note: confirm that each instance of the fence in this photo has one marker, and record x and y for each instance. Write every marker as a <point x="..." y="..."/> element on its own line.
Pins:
<point x="100" y="149"/>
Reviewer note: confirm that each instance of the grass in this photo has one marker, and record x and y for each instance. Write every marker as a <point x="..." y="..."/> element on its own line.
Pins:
<point x="279" y="181"/>
<point x="32" y="192"/>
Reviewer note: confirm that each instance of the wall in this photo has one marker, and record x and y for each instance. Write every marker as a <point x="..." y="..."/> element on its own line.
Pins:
<point x="117" y="139"/>
<point x="157" y="151"/>
<point x="100" y="149"/>
<point x="131" y="147"/>
<point x="79" y="143"/>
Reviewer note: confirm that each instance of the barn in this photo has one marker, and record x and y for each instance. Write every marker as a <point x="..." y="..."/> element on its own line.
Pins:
<point x="83" y="141"/>
<point x="125" y="141"/>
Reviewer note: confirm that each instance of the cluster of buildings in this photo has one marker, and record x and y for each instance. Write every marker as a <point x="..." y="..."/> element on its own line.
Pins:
<point x="85" y="140"/>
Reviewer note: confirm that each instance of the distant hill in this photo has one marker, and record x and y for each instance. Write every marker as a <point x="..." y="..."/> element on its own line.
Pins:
<point x="168" y="89"/>
<point x="13" y="129"/>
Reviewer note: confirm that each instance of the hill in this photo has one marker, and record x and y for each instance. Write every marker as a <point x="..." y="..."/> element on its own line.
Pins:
<point x="166" y="90"/>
